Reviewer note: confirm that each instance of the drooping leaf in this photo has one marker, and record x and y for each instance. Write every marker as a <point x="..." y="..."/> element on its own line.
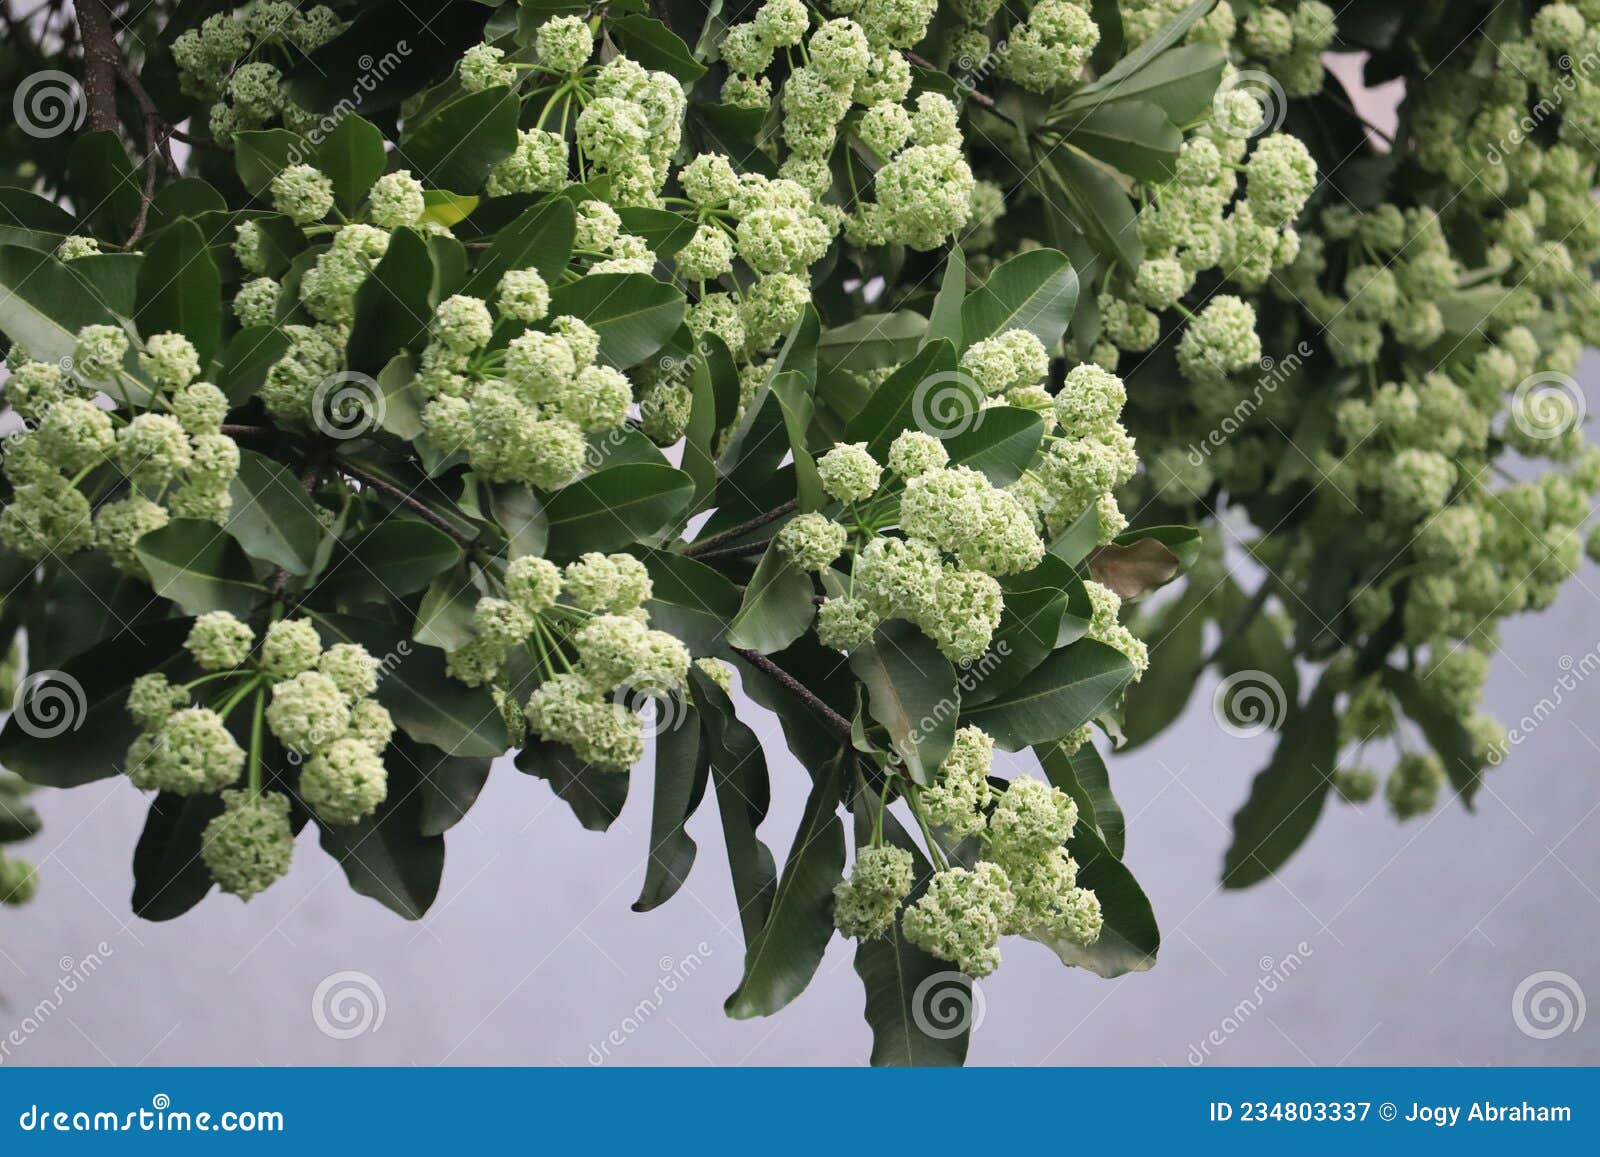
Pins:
<point x="454" y="146"/>
<point x="169" y="877"/>
<point x="1287" y="795"/>
<point x="683" y="768"/>
<point x="1129" y="938"/>
<point x="386" y="857"/>
<point x="739" y="773"/>
<point x="616" y="508"/>
<point x="397" y="557"/>
<point x="777" y="606"/>
<point x="200" y="568"/>
<point x="541" y="238"/>
<point x="633" y="313"/>
<point x="180" y="291"/>
<point x="1034" y="291"/>
<point x="42" y="305"/>
<point x="392" y="309"/>
<point x="1070" y="688"/>
<point x="272" y="517"/>
<point x="352" y="156"/>
<point x="1083" y="775"/>
<point x="595" y="794"/>
<point x="912" y="693"/>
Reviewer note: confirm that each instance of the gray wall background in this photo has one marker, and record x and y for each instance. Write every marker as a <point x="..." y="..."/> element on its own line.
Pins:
<point x="1401" y="944"/>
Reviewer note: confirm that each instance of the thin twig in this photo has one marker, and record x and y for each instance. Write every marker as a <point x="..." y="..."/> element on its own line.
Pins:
<point x="745" y="551"/>
<point x="973" y="94"/>
<point x="794" y="687"/>
<point x="733" y="534"/>
<point x="401" y="496"/>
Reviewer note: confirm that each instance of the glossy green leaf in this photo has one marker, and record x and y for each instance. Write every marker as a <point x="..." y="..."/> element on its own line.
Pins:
<point x="693" y="601"/>
<point x="928" y="393"/>
<point x="395" y="558"/>
<point x="944" y="319"/>
<point x="352" y="156"/>
<point x="199" y="567"/>
<point x="777" y="606"/>
<point x="1287" y="795"/>
<point x="616" y="508"/>
<point x="1000" y="444"/>
<point x="739" y="773"/>
<point x="169" y="877"/>
<point x="541" y="238"/>
<point x="1035" y="291"/>
<point x="454" y="146"/>
<point x="392" y="311"/>
<point x="1083" y="775"/>
<point x="872" y="342"/>
<point x="386" y="857"/>
<point x="1070" y="688"/>
<point x="683" y="768"/>
<point x="780" y="961"/>
<point x="103" y="181"/>
<point x="655" y="46"/>
<point x="260" y="155"/>
<point x="1134" y="137"/>
<point x="42" y="305"/>
<point x="595" y="794"/>
<point x="1129" y="937"/>
<point x="912" y="693"/>
<point x="180" y="291"/>
<point x="1098" y="206"/>
<point x="272" y="516"/>
<point x="633" y="313"/>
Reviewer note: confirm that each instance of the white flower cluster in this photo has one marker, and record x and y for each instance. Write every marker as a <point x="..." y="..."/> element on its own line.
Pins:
<point x="1026" y="883"/>
<point x="167" y="459"/>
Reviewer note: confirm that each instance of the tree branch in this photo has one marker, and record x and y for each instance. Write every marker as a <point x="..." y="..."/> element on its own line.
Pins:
<point x="732" y="534"/>
<point x="793" y="686"/>
<point x="100" y="60"/>
<point x="415" y="504"/>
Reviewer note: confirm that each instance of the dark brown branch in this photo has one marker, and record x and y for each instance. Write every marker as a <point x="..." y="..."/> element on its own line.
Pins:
<point x="100" y="59"/>
<point x="744" y="551"/>
<point x="793" y="686"/>
<point x="415" y="504"/>
<point x="733" y="534"/>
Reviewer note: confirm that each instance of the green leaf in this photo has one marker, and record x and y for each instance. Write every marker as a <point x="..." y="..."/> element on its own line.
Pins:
<point x="260" y="155"/>
<point x="200" y="568"/>
<point x="1000" y="444"/>
<point x="353" y="158"/>
<point x="392" y="309"/>
<point x="1029" y="628"/>
<point x="42" y="305"/>
<point x="683" y="768"/>
<point x="103" y="180"/>
<point x="401" y="411"/>
<point x="386" y="857"/>
<point x="1176" y="637"/>
<point x="633" y="313"/>
<point x="919" y="1007"/>
<point x="521" y="515"/>
<point x="781" y="960"/>
<point x="180" y="291"/>
<point x="71" y="728"/>
<point x="1083" y="776"/>
<point x="944" y="320"/>
<point x="1067" y="690"/>
<point x="272" y="516"/>
<point x="447" y="209"/>
<point x="454" y="146"/>
<point x="1133" y="137"/>
<point x="1098" y="205"/>
<point x="1287" y="795"/>
<point x="426" y="703"/>
<point x="1035" y="291"/>
<point x="32" y="221"/>
<point x="1443" y="729"/>
<point x="928" y="393"/>
<point x="1117" y="78"/>
<point x="595" y="794"/>
<point x="666" y="232"/>
<point x="169" y="877"/>
<point x="444" y="617"/>
<point x="397" y="557"/>
<point x="739" y="773"/>
<point x="912" y="692"/>
<point x="1129" y="938"/>
<point x="691" y="600"/>
<point x="247" y="358"/>
<point x="447" y="785"/>
<point x="112" y="277"/>
<point x="1182" y="82"/>
<point x="777" y="606"/>
<point x="541" y="238"/>
<point x="872" y="342"/>
<point x="616" y="508"/>
<point x="655" y="46"/>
